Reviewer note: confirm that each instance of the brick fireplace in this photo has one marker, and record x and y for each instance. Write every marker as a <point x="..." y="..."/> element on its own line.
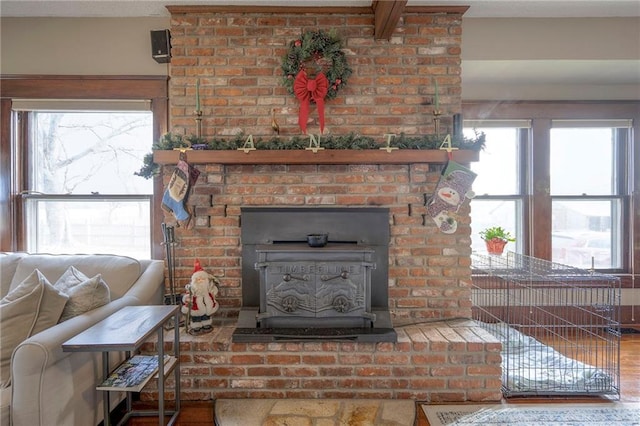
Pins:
<point x="438" y="355"/>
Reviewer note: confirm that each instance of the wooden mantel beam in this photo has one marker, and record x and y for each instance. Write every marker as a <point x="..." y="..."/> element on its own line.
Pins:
<point x="386" y="17"/>
<point x="327" y="156"/>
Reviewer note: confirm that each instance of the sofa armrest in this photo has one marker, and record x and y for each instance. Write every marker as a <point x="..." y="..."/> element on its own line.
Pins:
<point x="149" y="288"/>
<point x="45" y="348"/>
<point x="45" y="380"/>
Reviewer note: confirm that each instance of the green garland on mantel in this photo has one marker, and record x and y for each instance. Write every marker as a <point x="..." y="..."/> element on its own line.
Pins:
<point x="352" y="141"/>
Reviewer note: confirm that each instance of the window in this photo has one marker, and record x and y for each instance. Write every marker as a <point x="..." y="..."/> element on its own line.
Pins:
<point x="562" y="182"/>
<point x="82" y="194"/>
<point x="499" y="188"/>
<point x="70" y="146"/>
<point x="587" y="206"/>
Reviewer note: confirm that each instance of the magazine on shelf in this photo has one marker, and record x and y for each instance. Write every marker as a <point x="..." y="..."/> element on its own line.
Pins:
<point x="133" y="374"/>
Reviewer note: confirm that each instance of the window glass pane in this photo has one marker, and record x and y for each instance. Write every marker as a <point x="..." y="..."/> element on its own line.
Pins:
<point x="582" y="161"/>
<point x="87" y="152"/>
<point x="72" y="153"/>
<point x="586" y="230"/>
<point x="490" y="213"/>
<point x="497" y="168"/>
<point x="113" y="227"/>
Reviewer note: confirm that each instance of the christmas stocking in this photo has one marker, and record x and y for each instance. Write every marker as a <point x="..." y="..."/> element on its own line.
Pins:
<point x="176" y="195"/>
<point x="453" y="188"/>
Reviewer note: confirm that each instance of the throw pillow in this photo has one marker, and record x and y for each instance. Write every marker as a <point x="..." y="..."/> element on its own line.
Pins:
<point x="52" y="301"/>
<point x="34" y="305"/>
<point x="8" y="264"/>
<point x="69" y="279"/>
<point x="85" y="294"/>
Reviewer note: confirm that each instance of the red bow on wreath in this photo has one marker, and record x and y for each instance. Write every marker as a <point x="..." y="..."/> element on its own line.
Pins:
<point x="306" y="90"/>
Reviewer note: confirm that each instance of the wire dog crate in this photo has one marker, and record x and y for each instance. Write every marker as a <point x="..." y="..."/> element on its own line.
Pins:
<point x="559" y="326"/>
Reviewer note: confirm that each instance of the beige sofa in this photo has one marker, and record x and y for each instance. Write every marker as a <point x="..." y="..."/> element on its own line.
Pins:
<point x="48" y="386"/>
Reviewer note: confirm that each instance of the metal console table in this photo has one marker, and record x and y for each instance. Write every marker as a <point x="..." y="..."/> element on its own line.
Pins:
<point x="126" y="330"/>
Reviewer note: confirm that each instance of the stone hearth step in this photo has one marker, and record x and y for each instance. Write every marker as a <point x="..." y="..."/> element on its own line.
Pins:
<point x="236" y="412"/>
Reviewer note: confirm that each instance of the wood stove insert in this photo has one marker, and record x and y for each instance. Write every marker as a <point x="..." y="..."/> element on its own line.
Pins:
<point x="292" y="291"/>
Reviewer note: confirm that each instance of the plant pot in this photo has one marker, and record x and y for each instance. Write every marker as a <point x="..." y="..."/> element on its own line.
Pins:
<point x="495" y="246"/>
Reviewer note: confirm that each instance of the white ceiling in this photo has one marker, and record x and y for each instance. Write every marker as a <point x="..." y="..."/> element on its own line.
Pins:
<point x="477" y="8"/>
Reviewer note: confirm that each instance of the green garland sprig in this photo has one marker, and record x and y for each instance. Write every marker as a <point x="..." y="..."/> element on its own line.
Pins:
<point x="322" y="48"/>
<point x="349" y="141"/>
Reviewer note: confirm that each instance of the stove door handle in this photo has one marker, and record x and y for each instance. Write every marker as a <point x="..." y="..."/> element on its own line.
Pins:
<point x="289" y="277"/>
<point x="344" y="275"/>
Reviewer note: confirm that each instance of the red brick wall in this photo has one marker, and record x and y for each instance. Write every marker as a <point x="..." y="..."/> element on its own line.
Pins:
<point x="237" y="59"/>
<point x="429" y="271"/>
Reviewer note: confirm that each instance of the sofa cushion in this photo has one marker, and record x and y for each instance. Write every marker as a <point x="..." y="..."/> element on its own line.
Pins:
<point x="120" y="272"/>
<point x="34" y="305"/>
<point x="5" y="405"/>
<point x="85" y="294"/>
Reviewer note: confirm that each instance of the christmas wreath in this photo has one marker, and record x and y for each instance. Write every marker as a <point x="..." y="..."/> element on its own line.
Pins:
<point x="314" y="70"/>
<point x="320" y="49"/>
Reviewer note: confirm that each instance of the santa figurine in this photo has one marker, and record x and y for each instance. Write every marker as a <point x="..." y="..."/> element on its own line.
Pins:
<point x="199" y="302"/>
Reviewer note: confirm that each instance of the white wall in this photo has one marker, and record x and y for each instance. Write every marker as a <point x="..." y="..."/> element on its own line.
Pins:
<point x="502" y="58"/>
<point x="551" y="59"/>
<point x="79" y="46"/>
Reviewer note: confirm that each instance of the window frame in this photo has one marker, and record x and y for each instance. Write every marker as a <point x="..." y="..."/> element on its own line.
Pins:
<point x="537" y="225"/>
<point x="13" y="173"/>
<point x="619" y="189"/>
<point x="520" y="197"/>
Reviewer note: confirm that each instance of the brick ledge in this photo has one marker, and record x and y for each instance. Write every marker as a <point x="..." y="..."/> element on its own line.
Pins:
<point x="449" y="361"/>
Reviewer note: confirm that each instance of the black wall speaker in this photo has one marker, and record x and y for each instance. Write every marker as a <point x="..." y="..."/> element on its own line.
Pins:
<point x="161" y="46"/>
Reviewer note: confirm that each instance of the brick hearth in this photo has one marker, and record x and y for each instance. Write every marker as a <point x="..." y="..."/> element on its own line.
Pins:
<point x="440" y="362"/>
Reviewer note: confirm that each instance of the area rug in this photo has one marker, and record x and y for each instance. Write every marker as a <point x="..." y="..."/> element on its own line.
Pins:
<point x="603" y="414"/>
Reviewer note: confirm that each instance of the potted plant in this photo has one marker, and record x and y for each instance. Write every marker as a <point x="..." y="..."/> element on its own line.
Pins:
<point x="496" y="238"/>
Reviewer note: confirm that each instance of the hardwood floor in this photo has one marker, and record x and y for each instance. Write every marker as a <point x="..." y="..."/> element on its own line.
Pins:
<point x="629" y="380"/>
<point x="630" y="368"/>
<point x="201" y="413"/>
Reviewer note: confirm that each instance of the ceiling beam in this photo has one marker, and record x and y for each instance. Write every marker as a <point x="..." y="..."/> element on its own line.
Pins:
<point x="387" y="13"/>
<point x="357" y="10"/>
<point x="437" y="9"/>
<point x="386" y="17"/>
